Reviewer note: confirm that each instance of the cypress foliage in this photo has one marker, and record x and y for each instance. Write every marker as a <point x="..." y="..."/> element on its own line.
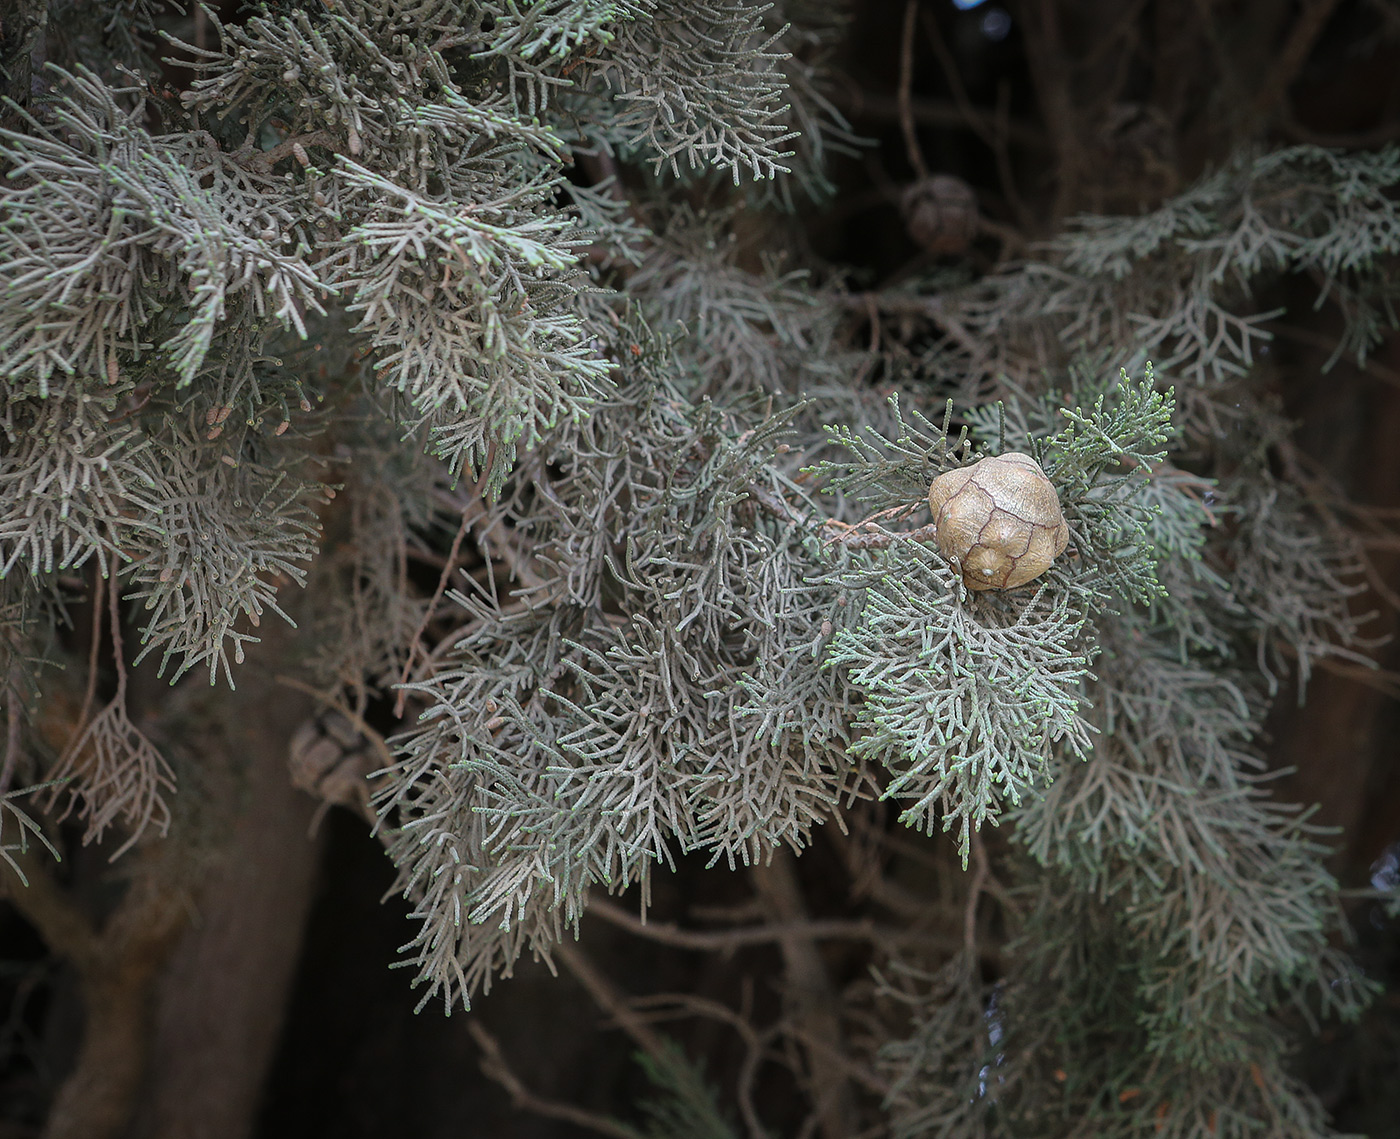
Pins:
<point x="480" y="285"/>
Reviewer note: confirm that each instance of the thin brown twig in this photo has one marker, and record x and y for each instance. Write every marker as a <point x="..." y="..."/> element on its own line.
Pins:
<point x="1379" y="135"/>
<point x="942" y="113"/>
<point x="693" y="1005"/>
<point x="1322" y="497"/>
<point x="874" y="311"/>
<point x="906" y="80"/>
<point x="99" y="590"/>
<point x="90" y="692"/>
<point x="1002" y="154"/>
<point x="914" y="304"/>
<point x="992" y="133"/>
<point x="754" y="1046"/>
<point x="870" y="536"/>
<point x="743" y="1090"/>
<point x="722" y="940"/>
<point x="361" y="726"/>
<point x="267" y="159"/>
<point x="495" y="1068"/>
<point x="361" y="689"/>
<point x="858" y="1072"/>
<point x="983" y="129"/>
<point x="607" y="997"/>
<point x="114" y="613"/>
<point x="413" y="643"/>
<point x="1381" y="680"/>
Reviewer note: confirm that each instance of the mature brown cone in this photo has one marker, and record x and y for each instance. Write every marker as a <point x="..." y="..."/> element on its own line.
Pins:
<point x="998" y="520"/>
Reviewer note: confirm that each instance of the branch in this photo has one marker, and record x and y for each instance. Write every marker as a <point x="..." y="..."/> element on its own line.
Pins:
<point x="1329" y="344"/>
<point x="336" y="705"/>
<point x="993" y="133"/>
<point x="495" y="1068"/>
<point x="50" y="909"/>
<point x="447" y="567"/>
<point x="869" y="535"/>
<point x="906" y="78"/>
<point x="754" y="1045"/>
<point x="814" y="1000"/>
<point x="116" y="969"/>
<point x="974" y="893"/>
<point x="913" y="304"/>
<point x="943" y="113"/>
<point x="668" y="933"/>
<point x="611" y="1001"/>
<point x="265" y="160"/>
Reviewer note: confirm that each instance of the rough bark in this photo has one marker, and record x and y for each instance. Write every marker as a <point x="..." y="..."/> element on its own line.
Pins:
<point x="221" y="1001"/>
<point x="178" y="1032"/>
<point x="21" y="25"/>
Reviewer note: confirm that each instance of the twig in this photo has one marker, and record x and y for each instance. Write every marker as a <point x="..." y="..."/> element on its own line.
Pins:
<point x="375" y="739"/>
<point x="267" y="159"/>
<point x="668" y="933"/>
<point x="993" y="133"/>
<point x="1001" y="152"/>
<point x="754" y="1045"/>
<point x="743" y="1091"/>
<point x="873" y="310"/>
<point x="1322" y="497"/>
<point x="870" y="536"/>
<point x="954" y="80"/>
<point x="90" y="693"/>
<point x="942" y="113"/>
<point x="914" y="304"/>
<point x="447" y="568"/>
<point x="906" y="79"/>
<point x="611" y="1001"/>
<point x="1376" y="136"/>
<point x="114" y="613"/>
<point x="1384" y="681"/>
<point x="495" y="1068"/>
<point x="858" y="1072"/>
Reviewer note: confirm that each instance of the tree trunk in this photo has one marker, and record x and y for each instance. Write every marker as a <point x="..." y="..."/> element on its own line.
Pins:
<point x="117" y="967"/>
<point x="221" y="1002"/>
<point x="21" y="25"/>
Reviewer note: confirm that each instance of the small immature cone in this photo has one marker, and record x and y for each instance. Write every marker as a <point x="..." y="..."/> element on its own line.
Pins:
<point x="999" y="519"/>
<point x="941" y="214"/>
